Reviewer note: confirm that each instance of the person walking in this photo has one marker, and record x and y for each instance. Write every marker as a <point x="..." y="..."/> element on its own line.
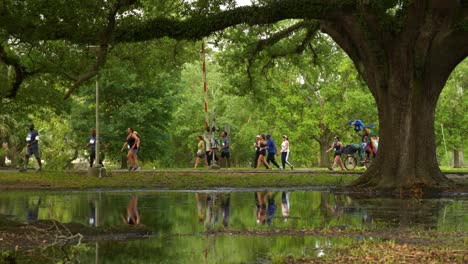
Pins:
<point x="338" y="146"/>
<point x="263" y="149"/>
<point x="201" y="154"/>
<point x="133" y="144"/>
<point x="32" y="140"/>
<point x="257" y="151"/>
<point x="225" y="150"/>
<point x="272" y="151"/>
<point x="285" y="153"/>
<point x="92" y="145"/>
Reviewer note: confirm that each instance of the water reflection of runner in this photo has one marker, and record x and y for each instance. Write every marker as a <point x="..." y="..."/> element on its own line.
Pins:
<point x="285" y="205"/>
<point x="92" y="214"/>
<point x="209" y="207"/>
<point x="201" y="206"/>
<point x="271" y="207"/>
<point x="226" y="208"/>
<point x="212" y="213"/>
<point x="260" y="198"/>
<point x="32" y="213"/>
<point x="133" y="215"/>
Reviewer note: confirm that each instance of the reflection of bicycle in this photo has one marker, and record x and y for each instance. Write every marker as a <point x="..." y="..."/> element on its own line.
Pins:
<point x="351" y="157"/>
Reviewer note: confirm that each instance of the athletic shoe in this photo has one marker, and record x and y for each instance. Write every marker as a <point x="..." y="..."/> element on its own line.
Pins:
<point x="39" y="170"/>
<point x="130" y="169"/>
<point x="137" y="169"/>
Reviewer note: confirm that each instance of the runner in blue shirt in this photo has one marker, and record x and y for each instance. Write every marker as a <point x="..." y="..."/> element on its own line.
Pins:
<point x="272" y="151"/>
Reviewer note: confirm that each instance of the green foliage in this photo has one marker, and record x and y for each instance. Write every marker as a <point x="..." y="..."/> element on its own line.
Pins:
<point x="451" y="112"/>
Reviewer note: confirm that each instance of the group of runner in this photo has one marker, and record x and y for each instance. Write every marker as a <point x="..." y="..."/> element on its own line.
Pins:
<point x="132" y="143"/>
<point x="266" y="147"/>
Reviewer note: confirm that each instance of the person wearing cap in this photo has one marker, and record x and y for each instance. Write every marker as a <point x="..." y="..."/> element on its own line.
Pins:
<point x="32" y="140"/>
<point x="272" y="151"/>
<point x="285" y="153"/>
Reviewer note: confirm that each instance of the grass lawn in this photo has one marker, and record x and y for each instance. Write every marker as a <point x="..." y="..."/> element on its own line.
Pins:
<point x="169" y="180"/>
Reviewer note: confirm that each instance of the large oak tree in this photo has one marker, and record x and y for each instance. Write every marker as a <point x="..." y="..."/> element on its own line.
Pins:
<point x="404" y="50"/>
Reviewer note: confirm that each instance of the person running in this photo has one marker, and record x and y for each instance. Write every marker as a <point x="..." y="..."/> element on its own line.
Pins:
<point x="285" y="153"/>
<point x="263" y="149"/>
<point x="133" y="144"/>
<point x="225" y="150"/>
<point x="92" y="145"/>
<point x="338" y="146"/>
<point x="32" y="140"/>
<point x="201" y="154"/>
<point x="272" y="151"/>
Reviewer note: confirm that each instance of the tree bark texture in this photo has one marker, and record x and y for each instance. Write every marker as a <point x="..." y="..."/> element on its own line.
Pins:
<point x="406" y="72"/>
<point x="456" y="158"/>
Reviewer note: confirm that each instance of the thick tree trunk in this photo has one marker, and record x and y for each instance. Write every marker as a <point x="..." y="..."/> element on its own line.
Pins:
<point x="324" y="156"/>
<point x="324" y="140"/>
<point x="456" y="158"/>
<point x="406" y="71"/>
<point x="406" y="158"/>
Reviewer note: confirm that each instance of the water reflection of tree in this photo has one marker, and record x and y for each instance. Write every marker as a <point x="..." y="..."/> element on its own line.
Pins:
<point x="404" y="212"/>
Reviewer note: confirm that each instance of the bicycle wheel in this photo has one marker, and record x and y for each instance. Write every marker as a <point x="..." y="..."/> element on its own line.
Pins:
<point x="350" y="162"/>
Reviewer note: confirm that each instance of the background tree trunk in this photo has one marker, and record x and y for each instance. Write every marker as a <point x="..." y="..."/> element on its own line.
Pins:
<point x="324" y="156"/>
<point x="456" y="158"/>
<point x="462" y="159"/>
<point x="123" y="162"/>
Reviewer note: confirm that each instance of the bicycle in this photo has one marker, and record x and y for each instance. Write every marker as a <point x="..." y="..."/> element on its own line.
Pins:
<point x="351" y="157"/>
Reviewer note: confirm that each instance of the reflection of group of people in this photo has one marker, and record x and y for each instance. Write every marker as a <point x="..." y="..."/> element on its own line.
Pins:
<point x="265" y="206"/>
<point x="264" y="145"/>
<point x="210" y="206"/>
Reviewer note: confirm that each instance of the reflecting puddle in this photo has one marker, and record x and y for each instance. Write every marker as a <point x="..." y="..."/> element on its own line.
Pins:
<point x="180" y="221"/>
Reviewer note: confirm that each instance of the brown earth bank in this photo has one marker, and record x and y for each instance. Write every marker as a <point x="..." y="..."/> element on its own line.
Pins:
<point x="45" y="233"/>
<point x="380" y="245"/>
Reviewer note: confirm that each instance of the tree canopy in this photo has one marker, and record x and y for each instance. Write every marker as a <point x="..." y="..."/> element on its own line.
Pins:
<point x="404" y="51"/>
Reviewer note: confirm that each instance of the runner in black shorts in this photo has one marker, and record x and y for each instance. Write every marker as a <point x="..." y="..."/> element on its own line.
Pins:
<point x="32" y="140"/>
<point x="225" y="150"/>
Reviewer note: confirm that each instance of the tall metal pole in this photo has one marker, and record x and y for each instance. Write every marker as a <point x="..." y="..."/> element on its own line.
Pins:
<point x="97" y="123"/>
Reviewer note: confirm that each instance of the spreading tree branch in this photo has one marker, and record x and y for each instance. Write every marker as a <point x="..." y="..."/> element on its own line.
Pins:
<point x="101" y="53"/>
